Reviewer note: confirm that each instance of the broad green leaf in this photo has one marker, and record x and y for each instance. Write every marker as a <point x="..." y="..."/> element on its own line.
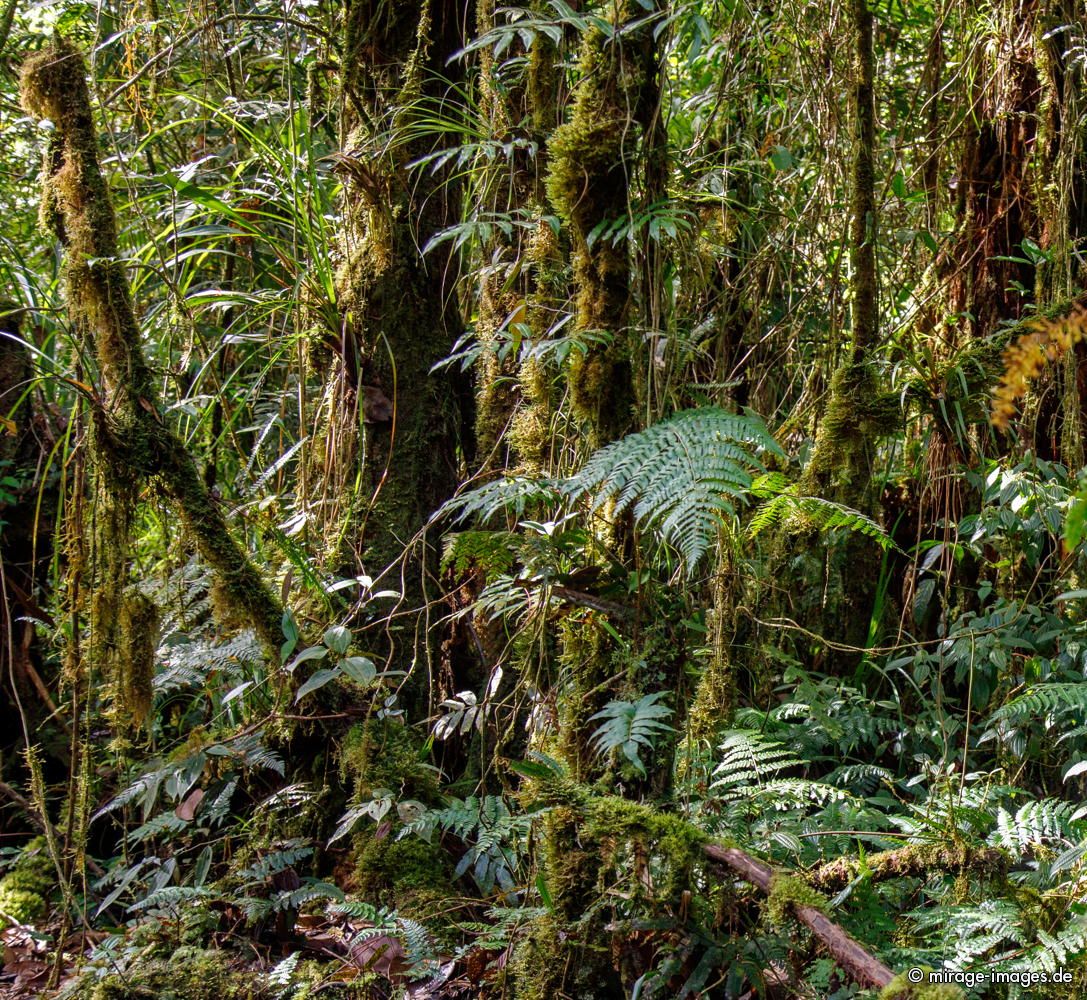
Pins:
<point x="309" y="653"/>
<point x="337" y="638"/>
<point x="318" y="680"/>
<point x="360" y="669"/>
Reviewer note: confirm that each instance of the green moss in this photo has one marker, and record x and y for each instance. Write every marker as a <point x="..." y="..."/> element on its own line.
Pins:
<point x="20" y="906"/>
<point x="189" y="974"/>
<point x="24" y="890"/>
<point x="587" y="838"/>
<point x="139" y="641"/>
<point x="408" y="875"/>
<point x="384" y="753"/>
<point x="900" y="988"/>
<point x="914" y="860"/>
<point x="552" y="962"/>
<point x="321" y="981"/>
<point x="586" y="658"/>
<point x="787" y="892"/>
<point x="591" y="161"/>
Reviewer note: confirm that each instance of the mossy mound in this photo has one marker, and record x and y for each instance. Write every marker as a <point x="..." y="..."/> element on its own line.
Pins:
<point x="408" y="875"/>
<point x="321" y="981"/>
<point x="188" y="974"/>
<point x="24" y="891"/>
<point x="383" y="753"/>
<point x="900" y="988"/>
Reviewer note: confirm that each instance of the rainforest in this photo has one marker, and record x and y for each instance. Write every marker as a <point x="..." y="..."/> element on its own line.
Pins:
<point x="571" y="500"/>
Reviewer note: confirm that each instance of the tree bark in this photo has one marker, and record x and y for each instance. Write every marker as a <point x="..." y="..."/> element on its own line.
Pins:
<point x="132" y="443"/>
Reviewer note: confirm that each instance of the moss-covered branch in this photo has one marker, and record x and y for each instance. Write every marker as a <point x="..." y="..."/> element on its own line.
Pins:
<point x="592" y="166"/>
<point x="604" y="818"/>
<point x="132" y="442"/>
<point x="914" y="860"/>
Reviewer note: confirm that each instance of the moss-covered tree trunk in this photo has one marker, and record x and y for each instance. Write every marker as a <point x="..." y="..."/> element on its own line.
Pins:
<point x="840" y="463"/>
<point x="131" y="441"/>
<point x="513" y="276"/>
<point x="595" y="157"/>
<point x="393" y="425"/>
<point x="839" y="599"/>
<point x="605" y="159"/>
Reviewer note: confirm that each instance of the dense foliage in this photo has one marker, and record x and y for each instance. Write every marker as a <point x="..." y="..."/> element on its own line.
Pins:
<point x="573" y="499"/>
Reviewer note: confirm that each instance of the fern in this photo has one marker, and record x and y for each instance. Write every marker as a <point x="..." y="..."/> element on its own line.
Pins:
<point x="189" y="663"/>
<point x="279" y="860"/>
<point x="630" y="726"/>
<point x="495" y="837"/>
<point x="358" y="909"/>
<point x="971" y="931"/>
<point x="1037" y="823"/>
<point x="418" y="948"/>
<point x="781" y="794"/>
<point x="310" y="890"/>
<point x="750" y="758"/>
<point x="1044" y="701"/>
<point x="248" y="751"/>
<point x="281" y="975"/>
<point x="164" y="823"/>
<point x="681" y="476"/>
<point x="509" y="495"/>
<point x="863" y="779"/>
<point x="1056" y="950"/>
<point x="169" y="898"/>
<point x="823" y="515"/>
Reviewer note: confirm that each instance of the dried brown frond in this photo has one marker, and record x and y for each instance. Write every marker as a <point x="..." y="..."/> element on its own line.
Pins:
<point x="1024" y="359"/>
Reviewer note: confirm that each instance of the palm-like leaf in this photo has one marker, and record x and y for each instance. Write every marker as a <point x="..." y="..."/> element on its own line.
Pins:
<point x="631" y="725"/>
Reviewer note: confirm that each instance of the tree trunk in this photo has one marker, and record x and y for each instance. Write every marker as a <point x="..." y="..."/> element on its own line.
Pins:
<point x="395" y="428"/>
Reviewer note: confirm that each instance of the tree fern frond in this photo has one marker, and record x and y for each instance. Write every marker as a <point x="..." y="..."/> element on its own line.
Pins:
<point x="823" y="515"/>
<point x="680" y="475"/>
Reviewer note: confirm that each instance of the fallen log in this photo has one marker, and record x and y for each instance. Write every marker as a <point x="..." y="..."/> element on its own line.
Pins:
<point x="865" y="969"/>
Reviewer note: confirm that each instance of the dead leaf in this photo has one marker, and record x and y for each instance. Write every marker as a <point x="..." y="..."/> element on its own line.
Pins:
<point x="383" y="954"/>
<point x="187" y="810"/>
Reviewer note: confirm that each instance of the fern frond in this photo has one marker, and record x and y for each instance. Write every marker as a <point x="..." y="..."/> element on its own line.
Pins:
<point x="1044" y="701"/>
<point x="189" y="663"/>
<point x="275" y="861"/>
<point x="1036" y="823"/>
<point x="511" y="495"/>
<point x="823" y="515"/>
<point x="781" y="794"/>
<point x="749" y="758"/>
<point x="679" y="476"/>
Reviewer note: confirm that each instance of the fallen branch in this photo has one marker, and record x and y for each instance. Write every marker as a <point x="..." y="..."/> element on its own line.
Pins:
<point x="913" y="860"/>
<point x="865" y="969"/>
<point x="624" y="818"/>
